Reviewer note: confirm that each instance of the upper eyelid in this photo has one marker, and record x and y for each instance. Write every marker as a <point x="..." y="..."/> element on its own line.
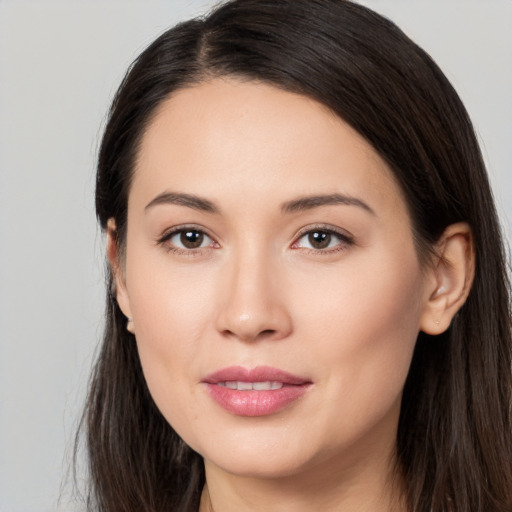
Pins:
<point x="343" y="234"/>
<point x="345" y="240"/>
<point x="165" y="240"/>
<point x="323" y="227"/>
<point x="170" y="232"/>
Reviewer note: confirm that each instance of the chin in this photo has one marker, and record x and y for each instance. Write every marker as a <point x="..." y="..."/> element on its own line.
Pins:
<point x="251" y="464"/>
<point x="257" y="453"/>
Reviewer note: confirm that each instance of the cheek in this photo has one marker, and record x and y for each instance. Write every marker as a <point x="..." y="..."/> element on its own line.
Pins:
<point x="362" y="329"/>
<point x="373" y="313"/>
<point x="172" y="309"/>
<point x="170" y="300"/>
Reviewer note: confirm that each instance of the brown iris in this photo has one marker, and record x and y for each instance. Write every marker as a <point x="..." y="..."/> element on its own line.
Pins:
<point x="319" y="239"/>
<point x="191" y="239"/>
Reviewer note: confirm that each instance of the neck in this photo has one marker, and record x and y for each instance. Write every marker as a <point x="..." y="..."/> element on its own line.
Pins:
<point x="369" y="488"/>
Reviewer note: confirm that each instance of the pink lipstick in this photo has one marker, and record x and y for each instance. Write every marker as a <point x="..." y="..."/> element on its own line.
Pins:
<point x="258" y="391"/>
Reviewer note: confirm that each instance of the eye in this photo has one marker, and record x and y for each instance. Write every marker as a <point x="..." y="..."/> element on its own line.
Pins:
<point x="189" y="239"/>
<point x="323" y="240"/>
<point x="186" y="239"/>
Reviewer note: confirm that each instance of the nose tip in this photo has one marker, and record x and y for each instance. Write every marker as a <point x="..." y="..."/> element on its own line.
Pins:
<point x="253" y="308"/>
<point x="251" y="327"/>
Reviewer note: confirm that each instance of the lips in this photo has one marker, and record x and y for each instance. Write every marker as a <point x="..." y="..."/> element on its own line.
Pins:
<point x="258" y="391"/>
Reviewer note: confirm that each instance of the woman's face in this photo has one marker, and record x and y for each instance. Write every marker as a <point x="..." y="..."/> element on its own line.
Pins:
<point x="272" y="279"/>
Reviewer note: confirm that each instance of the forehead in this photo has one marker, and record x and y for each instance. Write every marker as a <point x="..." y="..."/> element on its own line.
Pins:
<point x="260" y="140"/>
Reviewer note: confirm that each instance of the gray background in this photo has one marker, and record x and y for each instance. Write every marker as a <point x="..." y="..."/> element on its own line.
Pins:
<point x="60" y="63"/>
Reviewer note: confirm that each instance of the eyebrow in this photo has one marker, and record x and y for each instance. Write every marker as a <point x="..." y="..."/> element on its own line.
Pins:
<point x="293" y="206"/>
<point x="310" y="202"/>
<point x="188" y="200"/>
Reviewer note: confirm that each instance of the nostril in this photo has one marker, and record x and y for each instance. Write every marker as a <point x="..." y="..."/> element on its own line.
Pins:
<point x="262" y="335"/>
<point x="265" y="334"/>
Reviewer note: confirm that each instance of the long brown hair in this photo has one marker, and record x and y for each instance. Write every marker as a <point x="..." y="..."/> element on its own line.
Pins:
<point x="454" y="441"/>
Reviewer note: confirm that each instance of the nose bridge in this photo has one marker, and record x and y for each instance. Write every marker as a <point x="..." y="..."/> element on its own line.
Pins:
<point x="252" y="306"/>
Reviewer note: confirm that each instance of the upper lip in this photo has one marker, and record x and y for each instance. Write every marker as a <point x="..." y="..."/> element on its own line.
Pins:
<point x="257" y="374"/>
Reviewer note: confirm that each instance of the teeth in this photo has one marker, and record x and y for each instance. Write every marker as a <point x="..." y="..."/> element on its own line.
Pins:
<point x="251" y="386"/>
<point x="262" y="386"/>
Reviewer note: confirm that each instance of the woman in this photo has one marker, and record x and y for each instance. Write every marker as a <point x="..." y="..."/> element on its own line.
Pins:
<point x="308" y="304"/>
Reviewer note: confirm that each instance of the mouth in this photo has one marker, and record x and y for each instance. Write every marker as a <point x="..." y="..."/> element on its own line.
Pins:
<point x="248" y="386"/>
<point x="259" y="391"/>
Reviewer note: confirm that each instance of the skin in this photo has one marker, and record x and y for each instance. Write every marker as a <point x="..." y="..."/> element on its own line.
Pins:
<point x="257" y="292"/>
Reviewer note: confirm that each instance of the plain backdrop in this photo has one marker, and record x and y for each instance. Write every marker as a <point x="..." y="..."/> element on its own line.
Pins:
<point x="60" y="63"/>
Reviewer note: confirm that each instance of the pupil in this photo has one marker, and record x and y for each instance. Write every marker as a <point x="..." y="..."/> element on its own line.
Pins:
<point x="319" y="239"/>
<point x="191" y="239"/>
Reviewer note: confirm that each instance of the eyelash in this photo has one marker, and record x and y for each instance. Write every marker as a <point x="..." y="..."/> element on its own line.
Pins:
<point x="344" y="240"/>
<point x="168" y="235"/>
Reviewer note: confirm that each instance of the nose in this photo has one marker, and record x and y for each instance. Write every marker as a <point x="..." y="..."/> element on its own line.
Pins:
<point x="252" y="303"/>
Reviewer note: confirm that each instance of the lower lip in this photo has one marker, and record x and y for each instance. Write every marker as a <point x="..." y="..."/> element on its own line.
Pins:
<point x="256" y="403"/>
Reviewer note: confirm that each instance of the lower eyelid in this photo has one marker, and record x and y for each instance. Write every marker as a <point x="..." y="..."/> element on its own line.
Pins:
<point x="343" y="239"/>
<point x="165" y="241"/>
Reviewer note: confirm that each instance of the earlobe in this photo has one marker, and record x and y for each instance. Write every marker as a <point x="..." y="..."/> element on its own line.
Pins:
<point x="452" y="273"/>
<point x="119" y="283"/>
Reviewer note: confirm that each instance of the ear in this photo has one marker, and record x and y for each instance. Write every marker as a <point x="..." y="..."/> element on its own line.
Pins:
<point x="117" y="269"/>
<point x="451" y="275"/>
